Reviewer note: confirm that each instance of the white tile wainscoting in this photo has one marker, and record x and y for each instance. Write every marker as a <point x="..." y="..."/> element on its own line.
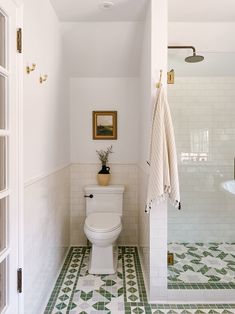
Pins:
<point x="85" y="174"/>
<point x="46" y="235"/>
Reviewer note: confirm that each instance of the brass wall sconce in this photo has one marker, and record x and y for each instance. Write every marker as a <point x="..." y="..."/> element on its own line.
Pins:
<point x="43" y="78"/>
<point x="30" y="69"/>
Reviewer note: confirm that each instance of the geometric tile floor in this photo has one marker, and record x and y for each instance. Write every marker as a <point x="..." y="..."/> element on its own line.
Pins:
<point x="78" y="292"/>
<point x="202" y="265"/>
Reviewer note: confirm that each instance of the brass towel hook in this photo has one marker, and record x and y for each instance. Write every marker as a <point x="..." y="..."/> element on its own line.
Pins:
<point x="30" y="69"/>
<point x="43" y="78"/>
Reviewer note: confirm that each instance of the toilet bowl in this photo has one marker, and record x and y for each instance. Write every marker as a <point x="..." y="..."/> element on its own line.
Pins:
<point x="102" y="230"/>
<point x="103" y="226"/>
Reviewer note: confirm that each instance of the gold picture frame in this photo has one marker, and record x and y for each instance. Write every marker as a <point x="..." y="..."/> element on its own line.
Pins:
<point x="104" y="125"/>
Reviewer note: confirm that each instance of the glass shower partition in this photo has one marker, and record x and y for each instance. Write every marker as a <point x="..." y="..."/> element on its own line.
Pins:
<point x="202" y="234"/>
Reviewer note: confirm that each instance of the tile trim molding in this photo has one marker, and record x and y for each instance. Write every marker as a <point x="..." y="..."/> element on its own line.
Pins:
<point x="45" y="175"/>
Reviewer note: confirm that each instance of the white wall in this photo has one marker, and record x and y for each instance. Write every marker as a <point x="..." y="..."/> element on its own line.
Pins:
<point x="143" y="149"/>
<point x="102" y="49"/>
<point x="46" y="106"/>
<point x="120" y="94"/>
<point x="158" y="214"/>
<point x="46" y="150"/>
<point x="153" y="239"/>
<point x="103" y="63"/>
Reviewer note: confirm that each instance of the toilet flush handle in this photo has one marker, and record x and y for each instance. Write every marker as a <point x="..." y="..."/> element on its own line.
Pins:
<point x="91" y="195"/>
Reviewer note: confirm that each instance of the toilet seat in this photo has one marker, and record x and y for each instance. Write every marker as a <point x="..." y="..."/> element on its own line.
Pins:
<point x="103" y="222"/>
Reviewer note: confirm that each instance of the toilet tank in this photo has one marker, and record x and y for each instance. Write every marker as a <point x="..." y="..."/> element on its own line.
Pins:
<point x="105" y="199"/>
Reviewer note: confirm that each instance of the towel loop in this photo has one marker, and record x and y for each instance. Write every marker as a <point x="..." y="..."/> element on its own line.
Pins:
<point x="159" y="84"/>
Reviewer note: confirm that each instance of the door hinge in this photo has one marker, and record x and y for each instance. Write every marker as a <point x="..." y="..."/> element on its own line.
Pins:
<point x="19" y="40"/>
<point x="19" y="280"/>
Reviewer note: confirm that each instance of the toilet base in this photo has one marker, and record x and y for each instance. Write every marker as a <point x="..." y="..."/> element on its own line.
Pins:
<point x="103" y="260"/>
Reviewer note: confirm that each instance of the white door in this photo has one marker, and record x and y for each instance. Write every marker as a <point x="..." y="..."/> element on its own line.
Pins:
<point x="9" y="160"/>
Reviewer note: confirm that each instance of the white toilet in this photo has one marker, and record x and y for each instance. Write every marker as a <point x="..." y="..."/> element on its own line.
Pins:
<point x="103" y="225"/>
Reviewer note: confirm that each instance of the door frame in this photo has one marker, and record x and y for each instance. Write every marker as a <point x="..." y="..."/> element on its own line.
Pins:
<point x="19" y="88"/>
<point x="17" y="116"/>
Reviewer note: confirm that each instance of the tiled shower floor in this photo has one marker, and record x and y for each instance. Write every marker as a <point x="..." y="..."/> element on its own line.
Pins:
<point x="78" y="292"/>
<point x="202" y="265"/>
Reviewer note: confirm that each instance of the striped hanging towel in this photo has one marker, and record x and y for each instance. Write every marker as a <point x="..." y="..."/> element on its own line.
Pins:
<point x="163" y="177"/>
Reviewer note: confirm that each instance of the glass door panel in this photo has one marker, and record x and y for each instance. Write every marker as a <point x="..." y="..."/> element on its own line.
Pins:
<point x="3" y="166"/>
<point x="2" y="285"/>
<point x="3" y="222"/>
<point x="2" y="163"/>
<point x="2" y="40"/>
<point x="2" y="101"/>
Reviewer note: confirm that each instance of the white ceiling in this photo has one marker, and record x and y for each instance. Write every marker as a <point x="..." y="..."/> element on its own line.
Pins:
<point x="90" y="11"/>
<point x="202" y="10"/>
<point x="134" y="10"/>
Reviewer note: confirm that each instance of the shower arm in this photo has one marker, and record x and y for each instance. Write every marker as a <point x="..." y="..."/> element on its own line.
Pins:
<point x="183" y="47"/>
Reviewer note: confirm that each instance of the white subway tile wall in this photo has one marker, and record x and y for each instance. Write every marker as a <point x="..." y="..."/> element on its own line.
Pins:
<point x="46" y="235"/>
<point x="158" y="254"/>
<point x="85" y="174"/>
<point x="203" y="113"/>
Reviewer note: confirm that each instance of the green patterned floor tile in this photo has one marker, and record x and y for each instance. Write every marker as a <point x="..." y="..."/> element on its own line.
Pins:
<point x="202" y="266"/>
<point x="78" y="292"/>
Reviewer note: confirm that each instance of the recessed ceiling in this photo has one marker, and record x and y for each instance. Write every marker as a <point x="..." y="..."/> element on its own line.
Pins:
<point x="92" y="11"/>
<point x="201" y="10"/>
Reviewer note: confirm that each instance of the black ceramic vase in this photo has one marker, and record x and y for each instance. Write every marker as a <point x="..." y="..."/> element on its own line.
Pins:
<point x="104" y="170"/>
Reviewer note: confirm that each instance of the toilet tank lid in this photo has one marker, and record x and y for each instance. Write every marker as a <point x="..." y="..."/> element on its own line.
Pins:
<point x="98" y="189"/>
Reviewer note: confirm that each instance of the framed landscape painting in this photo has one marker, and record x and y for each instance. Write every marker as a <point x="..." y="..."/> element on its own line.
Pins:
<point x="104" y="125"/>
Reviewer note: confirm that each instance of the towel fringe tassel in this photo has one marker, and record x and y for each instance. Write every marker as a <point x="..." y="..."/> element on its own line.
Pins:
<point x="162" y="198"/>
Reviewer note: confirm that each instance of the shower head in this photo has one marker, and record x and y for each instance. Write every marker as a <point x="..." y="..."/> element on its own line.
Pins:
<point x="194" y="58"/>
<point x="191" y="59"/>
